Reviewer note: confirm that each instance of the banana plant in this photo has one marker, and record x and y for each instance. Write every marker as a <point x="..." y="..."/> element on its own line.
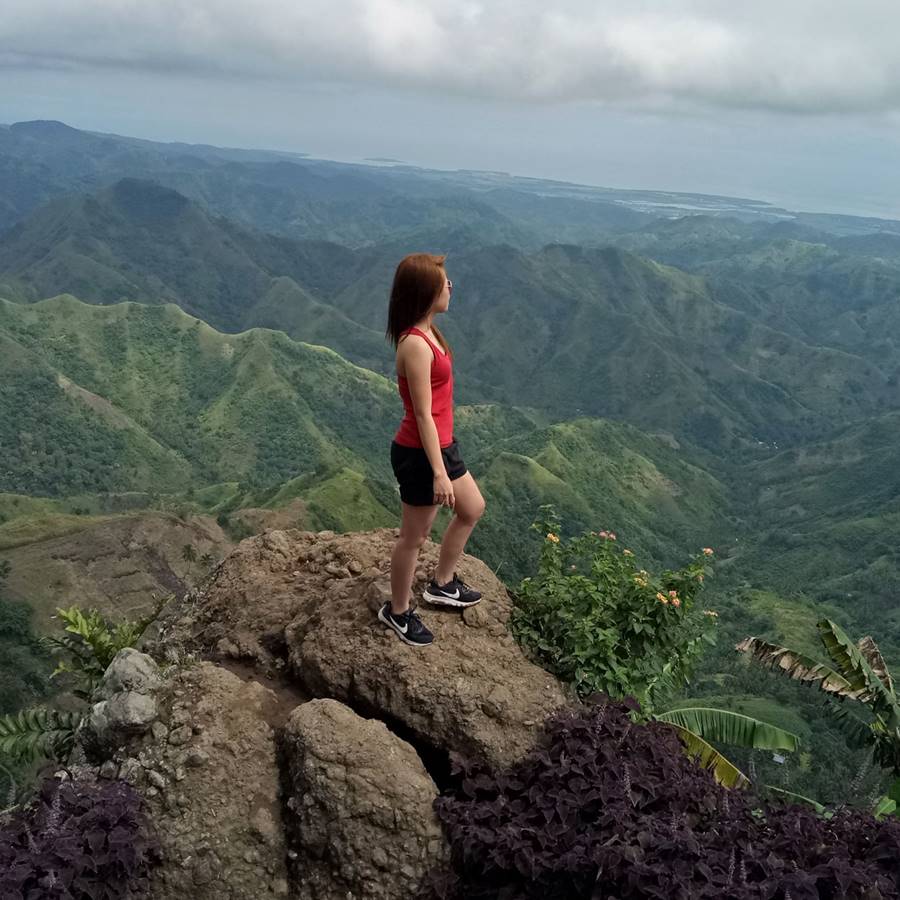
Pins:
<point x="858" y="674"/>
<point x="697" y="726"/>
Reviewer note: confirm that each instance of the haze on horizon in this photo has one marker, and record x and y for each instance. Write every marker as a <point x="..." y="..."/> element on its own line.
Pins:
<point x="796" y="103"/>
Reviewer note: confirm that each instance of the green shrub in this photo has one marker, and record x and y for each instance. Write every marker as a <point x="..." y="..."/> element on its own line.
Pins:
<point x="596" y="620"/>
<point x="91" y="642"/>
<point x="88" y="647"/>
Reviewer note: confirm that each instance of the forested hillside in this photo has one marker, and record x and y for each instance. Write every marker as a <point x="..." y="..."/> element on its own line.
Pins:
<point x="201" y="332"/>
<point x="579" y="331"/>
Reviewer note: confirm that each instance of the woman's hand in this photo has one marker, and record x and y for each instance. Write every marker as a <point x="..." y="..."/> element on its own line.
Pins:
<point x="443" y="490"/>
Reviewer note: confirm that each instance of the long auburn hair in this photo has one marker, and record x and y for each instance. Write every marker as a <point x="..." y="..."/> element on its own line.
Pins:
<point x="418" y="280"/>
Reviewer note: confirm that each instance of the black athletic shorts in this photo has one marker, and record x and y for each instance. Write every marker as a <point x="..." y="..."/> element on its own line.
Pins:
<point x="413" y="471"/>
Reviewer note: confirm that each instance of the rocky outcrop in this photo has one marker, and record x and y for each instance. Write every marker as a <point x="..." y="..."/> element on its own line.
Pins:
<point x="344" y="810"/>
<point x="206" y="763"/>
<point x="125" y="706"/>
<point x="308" y="601"/>
<point x="361" y="807"/>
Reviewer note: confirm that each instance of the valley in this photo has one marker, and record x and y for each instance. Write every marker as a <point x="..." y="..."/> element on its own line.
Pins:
<point x="192" y="351"/>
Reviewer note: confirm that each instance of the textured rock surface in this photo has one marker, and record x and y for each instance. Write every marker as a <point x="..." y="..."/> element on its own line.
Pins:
<point x="311" y="599"/>
<point x="130" y="670"/>
<point x="208" y="769"/>
<point x="361" y="804"/>
<point x="126" y="704"/>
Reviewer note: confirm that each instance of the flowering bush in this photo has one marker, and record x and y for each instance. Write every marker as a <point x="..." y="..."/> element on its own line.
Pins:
<point x="78" y="840"/>
<point x="605" y="807"/>
<point x="595" y="619"/>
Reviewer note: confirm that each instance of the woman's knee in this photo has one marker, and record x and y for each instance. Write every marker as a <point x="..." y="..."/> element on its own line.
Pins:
<point x="413" y="539"/>
<point x="471" y="512"/>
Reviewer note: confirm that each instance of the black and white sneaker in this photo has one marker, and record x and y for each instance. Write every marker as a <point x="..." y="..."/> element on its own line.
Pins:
<point x="408" y="626"/>
<point x="454" y="593"/>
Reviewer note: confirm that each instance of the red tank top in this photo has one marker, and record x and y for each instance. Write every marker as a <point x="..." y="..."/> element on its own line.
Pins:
<point x="441" y="399"/>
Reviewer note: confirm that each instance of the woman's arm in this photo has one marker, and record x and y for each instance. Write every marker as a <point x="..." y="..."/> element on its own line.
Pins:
<point x="417" y="358"/>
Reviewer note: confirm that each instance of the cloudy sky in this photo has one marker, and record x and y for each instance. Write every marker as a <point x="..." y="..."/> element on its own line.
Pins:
<point x="795" y="101"/>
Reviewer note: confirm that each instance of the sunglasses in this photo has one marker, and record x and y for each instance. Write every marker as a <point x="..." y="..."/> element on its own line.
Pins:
<point x="450" y="285"/>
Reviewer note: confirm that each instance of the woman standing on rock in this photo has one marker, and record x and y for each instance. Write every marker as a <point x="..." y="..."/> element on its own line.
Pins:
<point x="424" y="454"/>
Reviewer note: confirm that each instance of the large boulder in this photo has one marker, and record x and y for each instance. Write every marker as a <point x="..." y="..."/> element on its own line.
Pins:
<point x="130" y="670"/>
<point x="208" y="769"/>
<point x="362" y="807"/>
<point x="310" y="601"/>
<point x="126" y="705"/>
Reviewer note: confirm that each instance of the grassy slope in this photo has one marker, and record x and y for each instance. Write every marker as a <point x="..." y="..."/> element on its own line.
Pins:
<point x="597" y="474"/>
<point x="829" y="525"/>
<point x="293" y="421"/>
<point x="198" y="408"/>
<point x="253" y="405"/>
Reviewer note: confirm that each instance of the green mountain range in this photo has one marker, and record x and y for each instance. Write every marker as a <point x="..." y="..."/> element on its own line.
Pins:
<point x="147" y="395"/>
<point x="579" y="331"/>
<point x="822" y="289"/>
<point x="200" y="329"/>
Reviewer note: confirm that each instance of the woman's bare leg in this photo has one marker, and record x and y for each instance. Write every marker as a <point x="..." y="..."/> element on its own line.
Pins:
<point x="467" y="510"/>
<point x="415" y="526"/>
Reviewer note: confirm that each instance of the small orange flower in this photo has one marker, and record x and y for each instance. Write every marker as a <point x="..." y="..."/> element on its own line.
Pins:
<point x="662" y="598"/>
<point x="673" y="593"/>
<point x="708" y="551"/>
<point x="676" y="602"/>
<point x="612" y="535"/>
<point x="627" y="553"/>
<point x="552" y="537"/>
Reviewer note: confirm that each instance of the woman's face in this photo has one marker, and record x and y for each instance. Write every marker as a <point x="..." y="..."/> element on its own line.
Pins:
<point x="442" y="301"/>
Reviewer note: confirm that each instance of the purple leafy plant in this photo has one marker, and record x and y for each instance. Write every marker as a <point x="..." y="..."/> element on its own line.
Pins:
<point x="77" y="840"/>
<point x="608" y="808"/>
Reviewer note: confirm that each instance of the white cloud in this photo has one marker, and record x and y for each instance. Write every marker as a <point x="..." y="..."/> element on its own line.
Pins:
<point x="792" y="55"/>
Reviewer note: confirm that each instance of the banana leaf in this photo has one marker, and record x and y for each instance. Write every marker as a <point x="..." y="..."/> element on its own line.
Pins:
<point x="726" y="727"/>
<point x="894" y="790"/>
<point x="723" y="770"/>
<point x="854" y="666"/>
<point x="796" y="798"/>
<point x="799" y="667"/>
<point x="872" y="654"/>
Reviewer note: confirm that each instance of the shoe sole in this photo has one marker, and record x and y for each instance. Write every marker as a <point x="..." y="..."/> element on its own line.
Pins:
<point x="383" y="619"/>
<point x="439" y="600"/>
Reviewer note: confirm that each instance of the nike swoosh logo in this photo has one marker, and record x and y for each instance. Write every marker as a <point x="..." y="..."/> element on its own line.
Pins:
<point x="401" y="628"/>
<point x="453" y="596"/>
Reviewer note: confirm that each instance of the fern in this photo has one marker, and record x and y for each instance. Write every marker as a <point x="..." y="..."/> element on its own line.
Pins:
<point x="37" y="733"/>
